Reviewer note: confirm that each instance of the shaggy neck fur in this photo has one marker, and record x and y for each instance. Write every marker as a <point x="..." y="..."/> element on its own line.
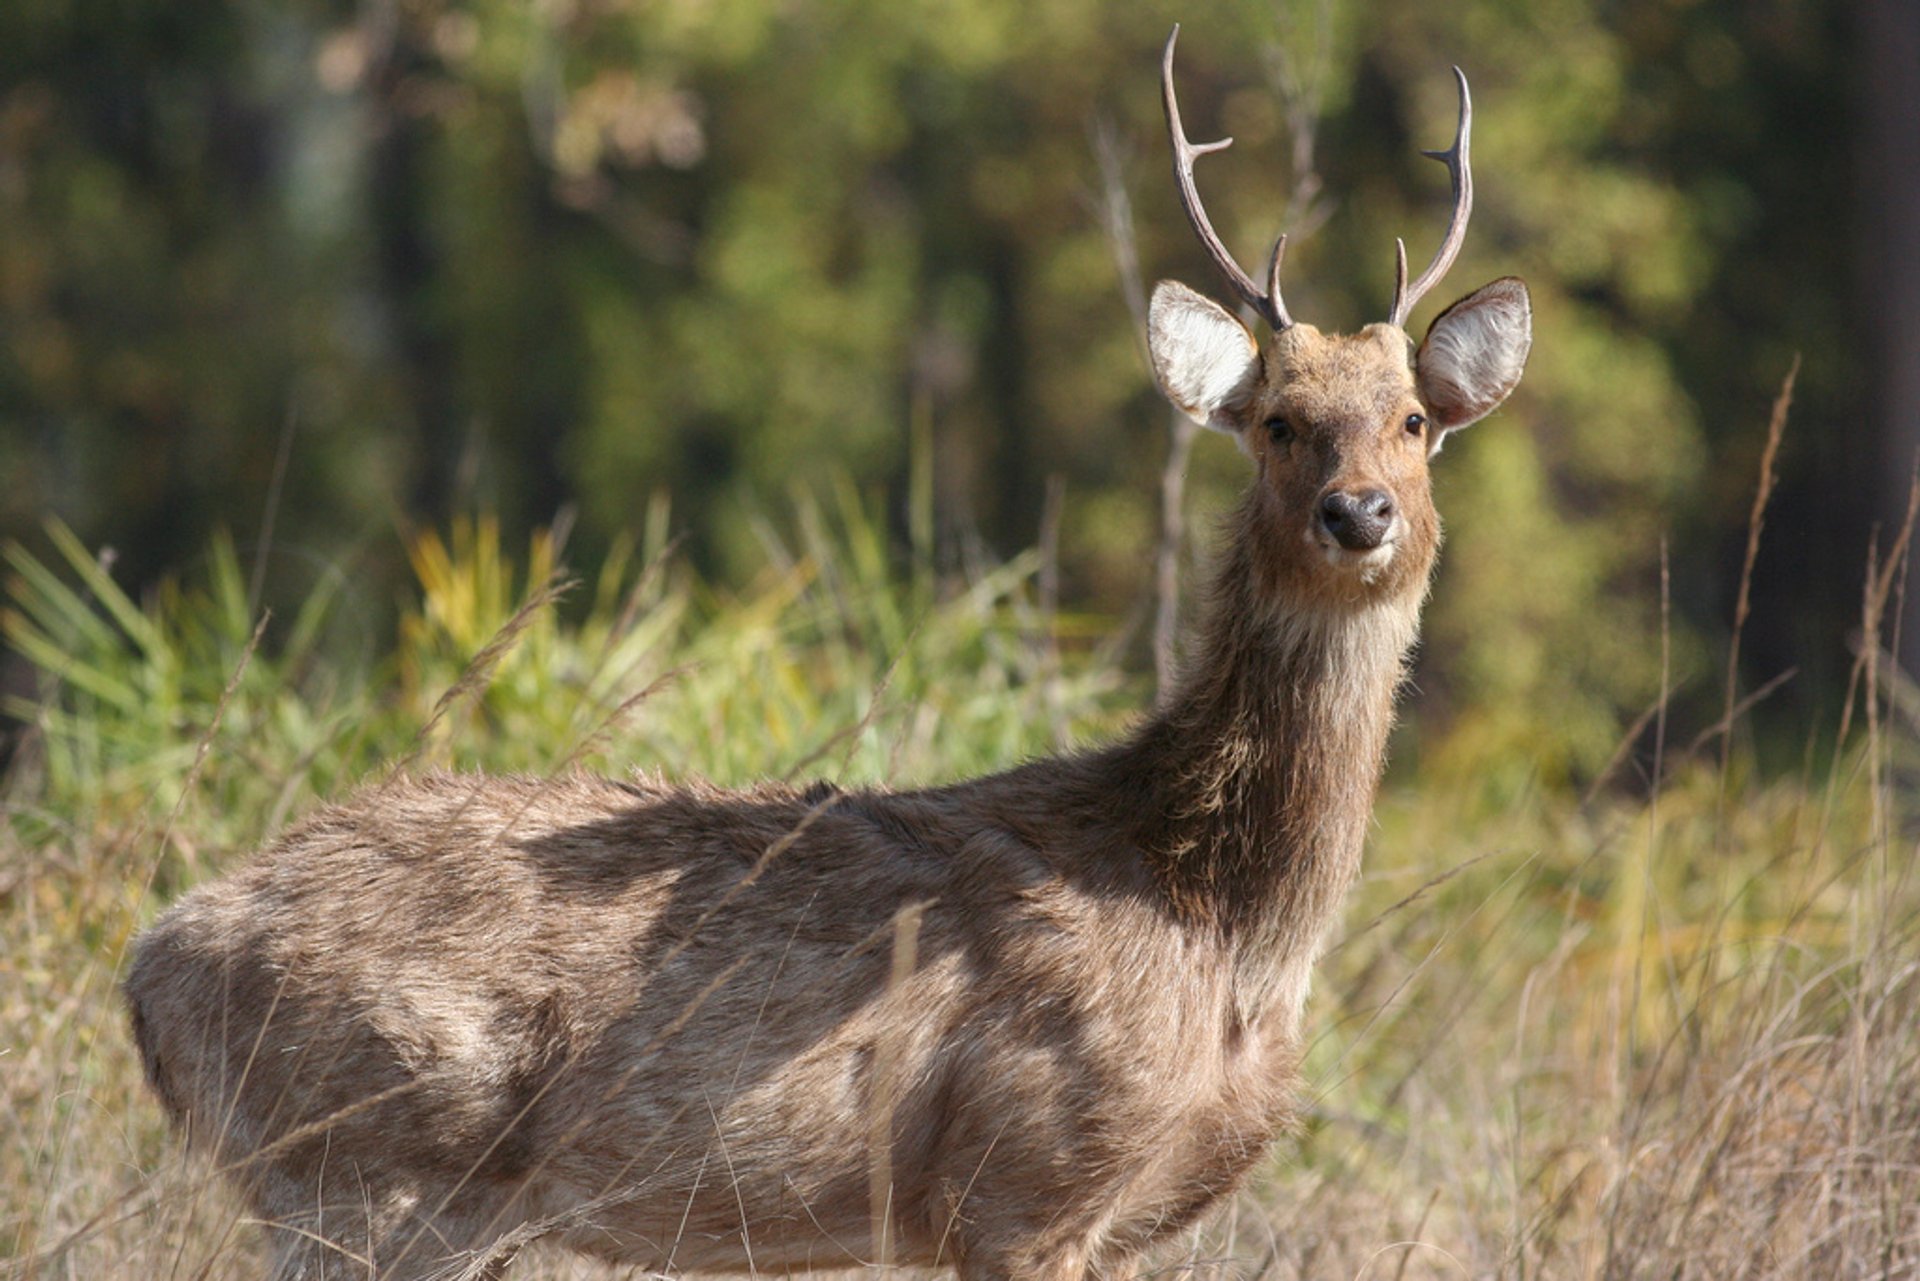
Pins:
<point x="1255" y="783"/>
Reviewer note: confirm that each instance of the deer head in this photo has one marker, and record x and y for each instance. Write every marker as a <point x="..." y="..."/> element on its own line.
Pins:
<point x="1340" y="427"/>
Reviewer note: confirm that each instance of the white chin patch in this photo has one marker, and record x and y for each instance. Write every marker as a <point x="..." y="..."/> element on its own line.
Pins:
<point x="1366" y="565"/>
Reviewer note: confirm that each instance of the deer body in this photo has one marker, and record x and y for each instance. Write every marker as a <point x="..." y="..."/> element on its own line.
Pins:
<point x="554" y="1041"/>
<point x="1025" y="1025"/>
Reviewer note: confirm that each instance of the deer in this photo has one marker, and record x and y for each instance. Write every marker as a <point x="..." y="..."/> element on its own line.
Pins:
<point x="1027" y="1025"/>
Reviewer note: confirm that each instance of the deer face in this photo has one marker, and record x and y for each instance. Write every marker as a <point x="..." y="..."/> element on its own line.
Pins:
<point x="1340" y="427"/>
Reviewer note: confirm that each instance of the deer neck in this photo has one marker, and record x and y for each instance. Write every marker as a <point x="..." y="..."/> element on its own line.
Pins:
<point x="1255" y="781"/>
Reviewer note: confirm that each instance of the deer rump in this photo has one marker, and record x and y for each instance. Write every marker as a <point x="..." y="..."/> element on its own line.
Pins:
<point x="668" y="1025"/>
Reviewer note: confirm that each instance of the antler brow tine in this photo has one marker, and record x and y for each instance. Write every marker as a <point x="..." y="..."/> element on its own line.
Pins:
<point x="1267" y="303"/>
<point x="1460" y="170"/>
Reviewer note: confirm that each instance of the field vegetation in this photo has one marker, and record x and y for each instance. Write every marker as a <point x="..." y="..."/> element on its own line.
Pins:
<point x="1665" y="1023"/>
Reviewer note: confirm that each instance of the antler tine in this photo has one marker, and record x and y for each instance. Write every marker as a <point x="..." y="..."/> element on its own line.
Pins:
<point x="1276" y="310"/>
<point x="1460" y="169"/>
<point x="1267" y="303"/>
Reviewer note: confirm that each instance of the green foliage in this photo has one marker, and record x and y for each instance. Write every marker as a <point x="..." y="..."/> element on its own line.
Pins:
<point x="524" y="259"/>
<point x="132" y="694"/>
<point x="825" y="665"/>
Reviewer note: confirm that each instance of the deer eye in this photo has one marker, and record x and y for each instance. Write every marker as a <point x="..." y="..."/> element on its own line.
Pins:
<point x="1416" y="424"/>
<point x="1279" y="429"/>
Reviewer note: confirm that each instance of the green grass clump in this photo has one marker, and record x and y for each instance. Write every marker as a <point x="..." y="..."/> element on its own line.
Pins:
<point x="1665" y="1030"/>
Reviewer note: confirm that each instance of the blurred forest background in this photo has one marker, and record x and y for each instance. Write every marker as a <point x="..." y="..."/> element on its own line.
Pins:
<point x="329" y="272"/>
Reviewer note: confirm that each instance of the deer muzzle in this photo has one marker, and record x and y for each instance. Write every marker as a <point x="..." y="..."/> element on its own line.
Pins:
<point x="1359" y="520"/>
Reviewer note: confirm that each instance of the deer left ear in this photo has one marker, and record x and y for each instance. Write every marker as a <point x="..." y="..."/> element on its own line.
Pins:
<point x="1473" y="355"/>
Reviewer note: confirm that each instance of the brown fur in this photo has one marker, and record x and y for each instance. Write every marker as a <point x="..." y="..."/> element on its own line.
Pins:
<point x="663" y="1024"/>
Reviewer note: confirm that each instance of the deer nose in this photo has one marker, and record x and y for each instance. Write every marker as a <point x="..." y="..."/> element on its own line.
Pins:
<point x="1359" y="521"/>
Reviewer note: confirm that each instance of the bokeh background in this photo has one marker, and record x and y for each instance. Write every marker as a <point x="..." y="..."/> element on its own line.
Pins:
<point x="324" y="274"/>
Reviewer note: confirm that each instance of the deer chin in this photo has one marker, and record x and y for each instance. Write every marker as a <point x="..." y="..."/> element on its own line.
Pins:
<point x="1367" y="566"/>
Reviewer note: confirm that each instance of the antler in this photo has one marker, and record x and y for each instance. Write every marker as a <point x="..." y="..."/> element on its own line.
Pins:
<point x="1461" y="171"/>
<point x="1268" y="304"/>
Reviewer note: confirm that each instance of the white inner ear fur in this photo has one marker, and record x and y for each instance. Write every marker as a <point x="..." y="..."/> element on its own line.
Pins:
<point x="1204" y="359"/>
<point x="1474" y="354"/>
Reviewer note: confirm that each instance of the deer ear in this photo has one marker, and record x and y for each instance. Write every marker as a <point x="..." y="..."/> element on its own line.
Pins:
<point x="1204" y="359"/>
<point x="1473" y="355"/>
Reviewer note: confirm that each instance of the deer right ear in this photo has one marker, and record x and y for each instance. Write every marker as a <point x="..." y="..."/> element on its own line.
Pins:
<point x="1204" y="359"/>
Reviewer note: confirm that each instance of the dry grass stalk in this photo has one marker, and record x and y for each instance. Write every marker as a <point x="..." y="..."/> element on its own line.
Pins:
<point x="1756" y="519"/>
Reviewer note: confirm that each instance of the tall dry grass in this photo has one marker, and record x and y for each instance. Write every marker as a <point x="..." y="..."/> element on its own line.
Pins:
<point x="1667" y="1029"/>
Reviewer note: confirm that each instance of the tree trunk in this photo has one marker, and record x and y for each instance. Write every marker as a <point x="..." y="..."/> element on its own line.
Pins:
<point x="1889" y="34"/>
